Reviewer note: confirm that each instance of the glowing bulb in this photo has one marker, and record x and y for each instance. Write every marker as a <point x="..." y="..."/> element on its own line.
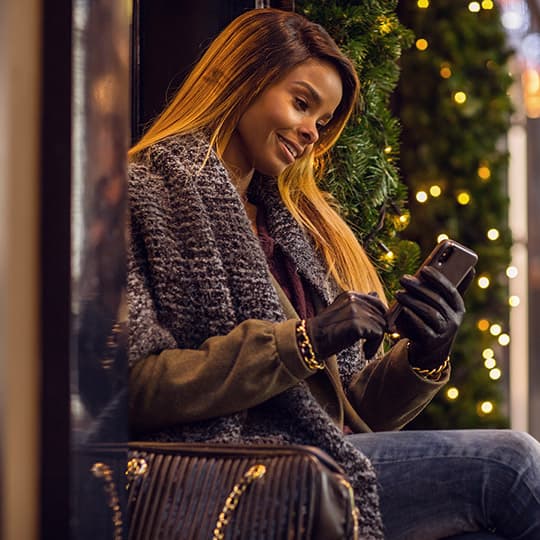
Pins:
<point x="422" y="44"/>
<point x="483" y="282"/>
<point x="421" y="196"/>
<point x="463" y="198"/>
<point x="460" y="98"/>
<point x="445" y="72"/>
<point x="490" y="363"/>
<point x="389" y="255"/>
<point x="484" y="172"/>
<point x="452" y="393"/>
<point x="514" y="301"/>
<point x="388" y="149"/>
<point x="487" y="4"/>
<point x="435" y="190"/>
<point x="504" y="340"/>
<point x="493" y="234"/>
<point x="495" y="329"/>
<point x="512" y="272"/>
<point x="483" y="325"/>
<point x="495" y="374"/>
<point x="488" y="353"/>
<point x="486" y="407"/>
<point x="474" y="7"/>
<point x="423" y="4"/>
<point x="401" y="221"/>
<point x="442" y="237"/>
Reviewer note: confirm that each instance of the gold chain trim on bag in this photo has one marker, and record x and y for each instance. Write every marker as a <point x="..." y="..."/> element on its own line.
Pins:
<point x="135" y="467"/>
<point x="355" y="511"/>
<point x="254" y="473"/>
<point x="100" y="470"/>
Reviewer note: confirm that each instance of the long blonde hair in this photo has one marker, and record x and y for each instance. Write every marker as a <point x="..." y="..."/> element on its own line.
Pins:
<point x="252" y="53"/>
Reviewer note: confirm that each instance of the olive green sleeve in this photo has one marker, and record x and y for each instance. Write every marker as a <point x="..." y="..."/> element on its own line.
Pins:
<point x="254" y="362"/>
<point x="388" y="393"/>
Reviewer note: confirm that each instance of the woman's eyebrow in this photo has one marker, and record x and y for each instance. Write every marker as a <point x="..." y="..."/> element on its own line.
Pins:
<point x="314" y="94"/>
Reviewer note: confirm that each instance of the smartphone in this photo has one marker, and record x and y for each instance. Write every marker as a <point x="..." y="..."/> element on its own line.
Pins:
<point x="452" y="259"/>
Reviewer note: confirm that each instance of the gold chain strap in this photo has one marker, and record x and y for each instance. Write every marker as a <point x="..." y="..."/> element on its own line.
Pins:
<point x="100" y="470"/>
<point x="355" y="511"/>
<point x="135" y="467"/>
<point x="253" y="473"/>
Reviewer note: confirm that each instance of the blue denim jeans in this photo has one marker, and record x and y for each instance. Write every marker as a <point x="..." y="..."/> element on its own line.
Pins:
<point x="462" y="484"/>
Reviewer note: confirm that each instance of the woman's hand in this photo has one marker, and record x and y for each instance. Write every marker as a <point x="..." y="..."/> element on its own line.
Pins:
<point x="432" y="312"/>
<point x="352" y="316"/>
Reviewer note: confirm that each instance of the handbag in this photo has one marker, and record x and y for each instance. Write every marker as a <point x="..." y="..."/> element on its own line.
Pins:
<point x="215" y="491"/>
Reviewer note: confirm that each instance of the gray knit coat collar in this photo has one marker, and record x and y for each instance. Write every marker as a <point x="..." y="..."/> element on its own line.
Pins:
<point x="193" y="244"/>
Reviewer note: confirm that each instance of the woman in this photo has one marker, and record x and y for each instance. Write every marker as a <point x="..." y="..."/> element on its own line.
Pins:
<point x="254" y="311"/>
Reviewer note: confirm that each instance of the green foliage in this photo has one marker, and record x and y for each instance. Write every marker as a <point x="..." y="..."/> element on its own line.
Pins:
<point x="442" y="143"/>
<point x="363" y="175"/>
<point x="445" y="143"/>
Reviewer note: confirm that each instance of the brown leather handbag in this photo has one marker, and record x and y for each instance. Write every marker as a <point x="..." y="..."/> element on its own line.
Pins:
<point x="197" y="491"/>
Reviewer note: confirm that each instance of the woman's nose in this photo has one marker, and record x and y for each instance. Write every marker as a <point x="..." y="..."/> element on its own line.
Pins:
<point x="309" y="132"/>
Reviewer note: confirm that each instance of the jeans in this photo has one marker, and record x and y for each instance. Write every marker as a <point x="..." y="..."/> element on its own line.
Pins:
<point x="442" y="484"/>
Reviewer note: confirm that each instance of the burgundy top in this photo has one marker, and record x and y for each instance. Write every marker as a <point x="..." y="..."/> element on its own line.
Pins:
<point x="285" y="273"/>
<point x="284" y="270"/>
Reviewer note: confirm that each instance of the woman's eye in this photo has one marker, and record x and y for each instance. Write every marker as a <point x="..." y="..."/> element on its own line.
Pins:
<point x="301" y="104"/>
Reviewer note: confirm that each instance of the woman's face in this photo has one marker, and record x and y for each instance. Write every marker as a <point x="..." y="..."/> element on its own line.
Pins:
<point x="285" y="121"/>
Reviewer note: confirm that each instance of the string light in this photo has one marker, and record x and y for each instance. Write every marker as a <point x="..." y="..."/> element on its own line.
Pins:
<point x="483" y="282"/>
<point x="483" y="325"/>
<point x="442" y="237"/>
<point x="487" y="4"/>
<point x="474" y="7"/>
<point x="463" y="198"/>
<point x="385" y="25"/>
<point x="495" y="329"/>
<point x="389" y="256"/>
<point x="485" y="407"/>
<point x="460" y="97"/>
<point x="422" y="44"/>
<point x="493" y="234"/>
<point x="388" y="149"/>
<point x="490" y="363"/>
<point x="445" y="71"/>
<point x="435" y="190"/>
<point x="484" y="172"/>
<point x="423" y="4"/>
<point x="452" y="393"/>
<point x="495" y="374"/>
<point x="511" y="272"/>
<point x="488" y="353"/>
<point x="401" y="221"/>
<point x="504" y="340"/>
<point x="421" y="196"/>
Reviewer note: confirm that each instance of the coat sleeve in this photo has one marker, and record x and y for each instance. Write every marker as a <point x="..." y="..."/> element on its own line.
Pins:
<point x="388" y="393"/>
<point x="254" y="362"/>
<point x="251" y="364"/>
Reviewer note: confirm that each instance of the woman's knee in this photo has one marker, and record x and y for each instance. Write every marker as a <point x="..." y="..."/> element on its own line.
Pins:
<point x="516" y="445"/>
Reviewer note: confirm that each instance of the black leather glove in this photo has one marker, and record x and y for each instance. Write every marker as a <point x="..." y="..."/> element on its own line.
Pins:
<point x="352" y="316"/>
<point x="432" y="312"/>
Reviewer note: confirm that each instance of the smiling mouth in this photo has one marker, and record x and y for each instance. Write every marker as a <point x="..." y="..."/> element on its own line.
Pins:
<point x="292" y="151"/>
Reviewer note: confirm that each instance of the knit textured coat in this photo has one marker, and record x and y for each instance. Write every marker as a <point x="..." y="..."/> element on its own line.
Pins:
<point x="196" y="270"/>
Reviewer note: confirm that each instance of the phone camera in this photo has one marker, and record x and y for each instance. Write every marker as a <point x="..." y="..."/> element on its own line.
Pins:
<point x="445" y="255"/>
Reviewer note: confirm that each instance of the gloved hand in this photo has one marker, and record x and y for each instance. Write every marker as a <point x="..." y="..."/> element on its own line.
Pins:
<point x="352" y="316"/>
<point x="432" y="312"/>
